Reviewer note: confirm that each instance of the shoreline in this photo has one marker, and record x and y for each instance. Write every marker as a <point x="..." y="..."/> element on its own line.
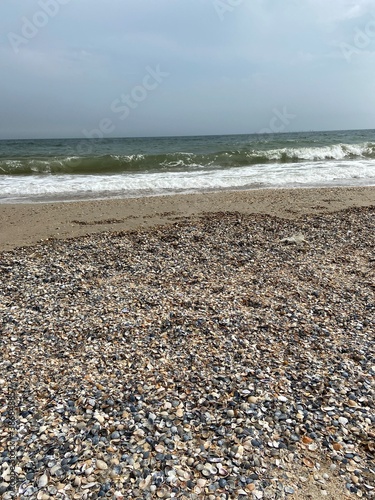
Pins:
<point x="27" y="224"/>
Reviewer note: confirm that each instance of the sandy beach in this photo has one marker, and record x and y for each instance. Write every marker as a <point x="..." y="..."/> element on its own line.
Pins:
<point x="187" y="250"/>
<point x="215" y="346"/>
<point x="26" y="224"/>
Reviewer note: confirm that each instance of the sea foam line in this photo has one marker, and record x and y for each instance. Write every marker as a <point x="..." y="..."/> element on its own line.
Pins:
<point x="127" y="185"/>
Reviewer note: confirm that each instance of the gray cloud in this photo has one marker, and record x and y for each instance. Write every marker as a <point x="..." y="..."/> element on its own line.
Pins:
<point x="227" y="69"/>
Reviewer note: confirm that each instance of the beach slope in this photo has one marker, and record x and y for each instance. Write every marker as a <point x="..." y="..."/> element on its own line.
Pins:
<point x="222" y="354"/>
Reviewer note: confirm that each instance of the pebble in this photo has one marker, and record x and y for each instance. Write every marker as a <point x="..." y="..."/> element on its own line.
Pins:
<point x="343" y="420"/>
<point x="43" y="481"/>
<point x="101" y="465"/>
<point x="3" y="487"/>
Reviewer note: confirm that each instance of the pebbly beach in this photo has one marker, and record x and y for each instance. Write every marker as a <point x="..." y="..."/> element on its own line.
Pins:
<point x="216" y="345"/>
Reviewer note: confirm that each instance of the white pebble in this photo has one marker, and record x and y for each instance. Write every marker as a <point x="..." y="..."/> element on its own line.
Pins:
<point x="43" y="481"/>
<point x="101" y="465"/>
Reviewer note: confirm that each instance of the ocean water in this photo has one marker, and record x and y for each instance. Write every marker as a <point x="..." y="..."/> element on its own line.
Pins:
<point x="71" y="169"/>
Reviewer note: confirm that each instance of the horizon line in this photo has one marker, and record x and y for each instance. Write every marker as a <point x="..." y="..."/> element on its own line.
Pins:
<point x="182" y="135"/>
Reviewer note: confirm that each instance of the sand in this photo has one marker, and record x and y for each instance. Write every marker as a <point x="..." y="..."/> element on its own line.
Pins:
<point x="26" y="224"/>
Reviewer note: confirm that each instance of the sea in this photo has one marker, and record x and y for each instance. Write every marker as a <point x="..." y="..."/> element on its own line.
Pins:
<point x="77" y="169"/>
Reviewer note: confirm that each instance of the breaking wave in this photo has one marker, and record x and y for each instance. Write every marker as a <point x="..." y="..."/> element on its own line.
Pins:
<point x="181" y="161"/>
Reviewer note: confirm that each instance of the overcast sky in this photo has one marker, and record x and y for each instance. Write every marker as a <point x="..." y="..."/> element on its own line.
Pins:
<point x="76" y="68"/>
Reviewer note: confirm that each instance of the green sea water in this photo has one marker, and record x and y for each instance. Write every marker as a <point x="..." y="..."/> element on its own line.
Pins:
<point x="39" y="170"/>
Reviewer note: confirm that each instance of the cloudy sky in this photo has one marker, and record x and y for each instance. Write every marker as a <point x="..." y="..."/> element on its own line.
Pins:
<point x="76" y="68"/>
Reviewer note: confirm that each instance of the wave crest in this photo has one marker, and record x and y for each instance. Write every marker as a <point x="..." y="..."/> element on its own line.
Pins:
<point x="181" y="161"/>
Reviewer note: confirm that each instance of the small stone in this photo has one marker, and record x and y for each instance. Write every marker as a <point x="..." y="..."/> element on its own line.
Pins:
<point x="258" y="494"/>
<point x="101" y="465"/>
<point x="54" y="470"/>
<point x="201" y="483"/>
<point x="307" y="440"/>
<point x="77" y="481"/>
<point x="252" y="399"/>
<point x="43" y="481"/>
<point x="289" y="490"/>
<point x="3" y="487"/>
<point x="99" y="418"/>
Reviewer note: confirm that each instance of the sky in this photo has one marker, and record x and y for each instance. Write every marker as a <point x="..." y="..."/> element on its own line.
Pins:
<point x="89" y="68"/>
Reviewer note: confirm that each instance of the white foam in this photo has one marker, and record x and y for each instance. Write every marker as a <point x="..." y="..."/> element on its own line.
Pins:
<point x="44" y="187"/>
<point x="332" y="152"/>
